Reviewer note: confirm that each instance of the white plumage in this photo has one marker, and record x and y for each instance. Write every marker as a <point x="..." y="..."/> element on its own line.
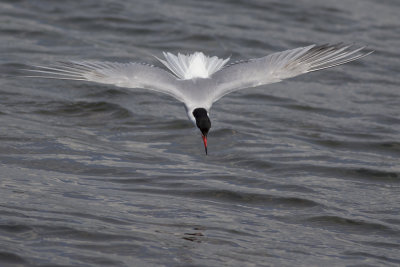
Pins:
<point x="198" y="80"/>
<point x="196" y="65"/>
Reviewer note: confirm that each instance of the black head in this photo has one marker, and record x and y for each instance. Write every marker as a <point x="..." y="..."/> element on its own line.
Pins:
<point x="203" y="123"/>
<point x="202" y="120"/>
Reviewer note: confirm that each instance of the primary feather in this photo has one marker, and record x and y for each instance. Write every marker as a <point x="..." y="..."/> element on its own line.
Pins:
<point x="283" y="65"/>
<point x="129" y="75"/>
<point x="199" y="80"/>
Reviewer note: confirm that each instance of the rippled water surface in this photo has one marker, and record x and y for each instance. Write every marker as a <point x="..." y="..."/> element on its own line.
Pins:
<point x="301" y="173"/>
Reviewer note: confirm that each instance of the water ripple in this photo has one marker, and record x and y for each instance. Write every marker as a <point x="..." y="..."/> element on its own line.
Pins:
<point x="300" y="173"/>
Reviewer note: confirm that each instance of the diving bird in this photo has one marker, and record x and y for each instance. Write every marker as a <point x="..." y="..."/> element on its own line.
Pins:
<point x="198" y="80"/>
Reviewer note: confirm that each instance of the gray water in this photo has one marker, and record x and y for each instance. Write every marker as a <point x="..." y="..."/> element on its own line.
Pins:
<point x="301" y="173"/>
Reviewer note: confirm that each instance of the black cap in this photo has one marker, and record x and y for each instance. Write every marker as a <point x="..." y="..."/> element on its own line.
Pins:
<point x="202" y="120"/>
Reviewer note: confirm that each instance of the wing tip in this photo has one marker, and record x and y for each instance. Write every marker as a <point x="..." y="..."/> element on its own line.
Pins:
<point x="331" y="55"/>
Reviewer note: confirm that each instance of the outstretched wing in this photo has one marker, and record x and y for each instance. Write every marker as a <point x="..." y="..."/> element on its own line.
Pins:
<point x="129" y="75"/>
<point x="283" y="65"/>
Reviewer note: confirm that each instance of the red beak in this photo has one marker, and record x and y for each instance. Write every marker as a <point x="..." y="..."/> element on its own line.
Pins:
<point x="205" y="142"/>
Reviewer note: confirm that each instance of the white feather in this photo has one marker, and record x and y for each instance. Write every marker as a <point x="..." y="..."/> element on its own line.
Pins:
<point x="215" y="80"/>
<point x="191" y="66"/>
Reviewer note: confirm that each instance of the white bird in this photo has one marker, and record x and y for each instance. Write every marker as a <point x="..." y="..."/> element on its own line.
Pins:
<point x="198" y="80"/>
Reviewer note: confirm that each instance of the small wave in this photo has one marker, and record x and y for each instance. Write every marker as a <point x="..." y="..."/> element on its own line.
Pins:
<point x="341" y="224"/>
<point x="7" y="257"/>
<point x="80" y="109"/>
<point x="238" y="197"/>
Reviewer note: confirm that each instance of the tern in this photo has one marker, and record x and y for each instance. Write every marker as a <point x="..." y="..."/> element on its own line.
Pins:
<point x="199" y="80"/>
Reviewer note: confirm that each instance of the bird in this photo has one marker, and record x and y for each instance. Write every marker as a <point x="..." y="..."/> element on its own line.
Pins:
<point x="198" y="80"/>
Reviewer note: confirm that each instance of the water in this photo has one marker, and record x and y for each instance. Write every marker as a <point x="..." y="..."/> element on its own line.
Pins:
<point x="301" y="173"/>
